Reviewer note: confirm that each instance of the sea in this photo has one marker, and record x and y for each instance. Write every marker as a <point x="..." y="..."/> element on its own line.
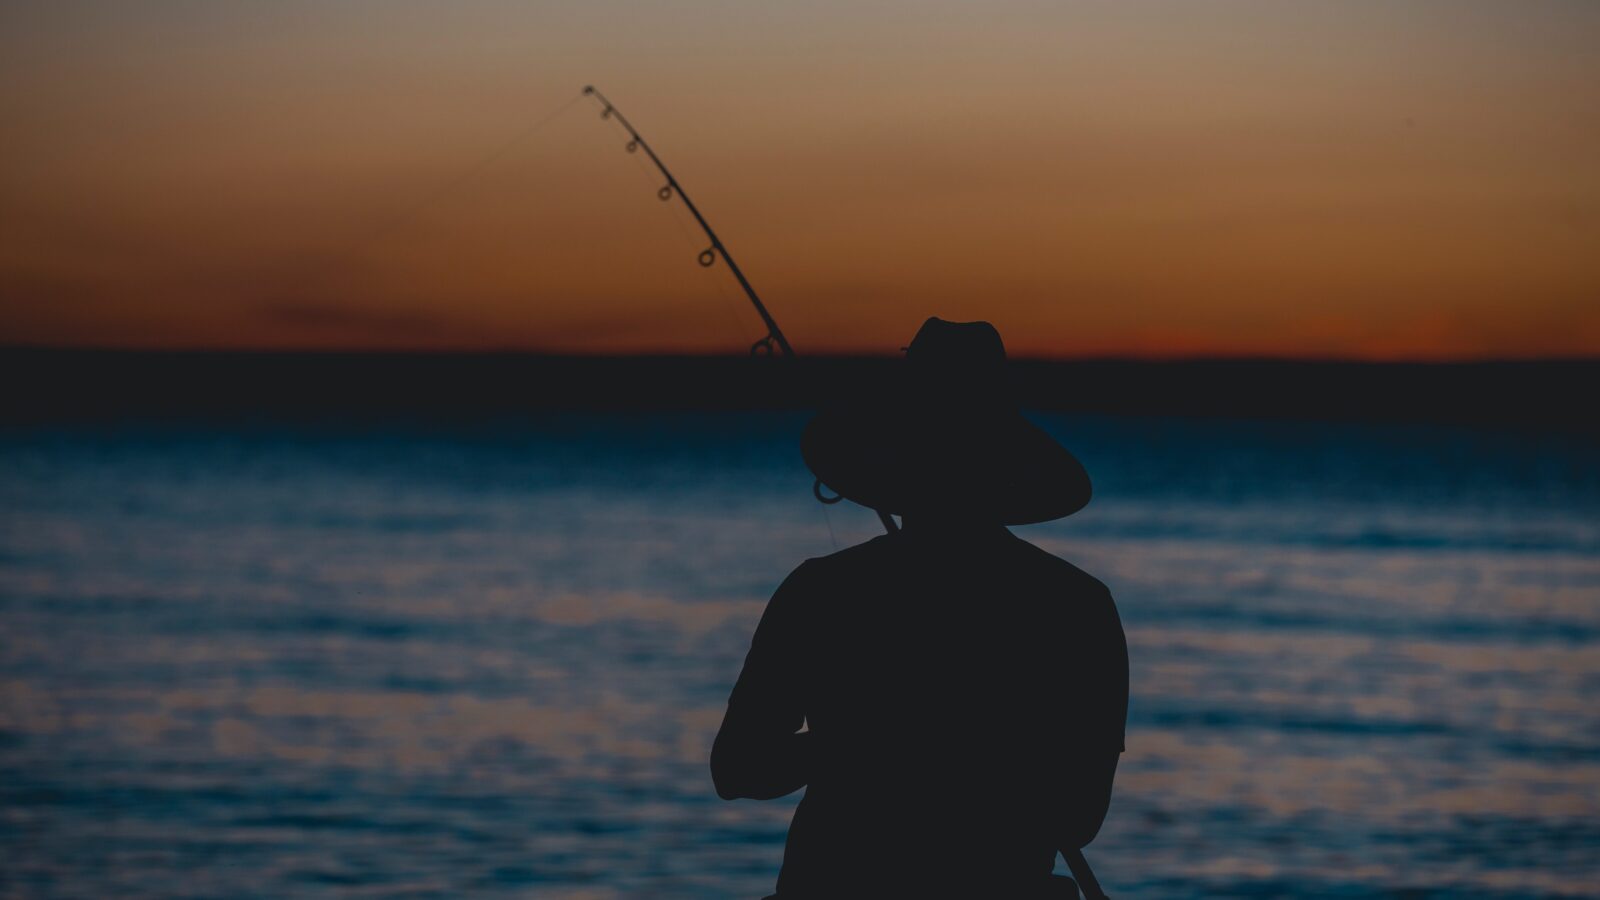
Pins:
<point x="487" y="659"/>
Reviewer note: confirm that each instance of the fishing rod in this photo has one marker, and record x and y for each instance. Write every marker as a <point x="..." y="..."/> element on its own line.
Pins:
<point x="708" y="256"/>
<point x="1076" y="862"/>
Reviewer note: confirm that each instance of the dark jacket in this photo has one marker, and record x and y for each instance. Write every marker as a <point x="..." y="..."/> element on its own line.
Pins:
<point x="964" y="703"/>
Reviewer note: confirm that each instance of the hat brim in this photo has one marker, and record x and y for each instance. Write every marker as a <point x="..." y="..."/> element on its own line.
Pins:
<point x="908" y="459"/>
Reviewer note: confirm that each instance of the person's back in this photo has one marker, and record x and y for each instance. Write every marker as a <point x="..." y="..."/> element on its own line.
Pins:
<point x="965" y="696"/>
<point x="963" y="692"/>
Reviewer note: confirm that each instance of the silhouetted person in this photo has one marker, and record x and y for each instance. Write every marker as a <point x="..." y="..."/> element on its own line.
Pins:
<point x="964" y="693"/>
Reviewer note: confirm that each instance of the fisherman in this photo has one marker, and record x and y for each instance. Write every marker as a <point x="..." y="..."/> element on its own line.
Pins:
<point x="952" y="698"/>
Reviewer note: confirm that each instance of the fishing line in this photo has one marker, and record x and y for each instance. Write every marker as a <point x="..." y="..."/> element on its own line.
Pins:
<point x="407" y="214"/>
<point x="730" y="305"/>
<point x="740" y="323"/>
<point x="774" y="342"/>
<point x="827" y="519"/>
<point x="737" y="313"/>
<point x="467" y="175"/>
<point x="733" y="308"/>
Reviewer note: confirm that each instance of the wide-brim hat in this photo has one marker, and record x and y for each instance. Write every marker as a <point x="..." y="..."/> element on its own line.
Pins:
<point x="944" y="436"/>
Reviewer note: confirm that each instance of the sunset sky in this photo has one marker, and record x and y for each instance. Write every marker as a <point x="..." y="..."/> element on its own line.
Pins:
<point x="1339" y="179"/>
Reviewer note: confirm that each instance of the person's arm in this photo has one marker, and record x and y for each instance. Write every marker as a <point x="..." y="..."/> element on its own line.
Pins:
<point x="760" y="752"/>
<point x="1088" y="798"/>
<point x="1100" y="722"/>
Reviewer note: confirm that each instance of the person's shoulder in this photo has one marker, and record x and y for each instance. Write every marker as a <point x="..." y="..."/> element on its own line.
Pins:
<point x="867" y="553"/>
<point x="1060" y="572"/>
<point x="819" y="578"/>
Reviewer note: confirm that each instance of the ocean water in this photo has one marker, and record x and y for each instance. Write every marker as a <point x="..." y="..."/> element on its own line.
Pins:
<point x="426" y="661"/>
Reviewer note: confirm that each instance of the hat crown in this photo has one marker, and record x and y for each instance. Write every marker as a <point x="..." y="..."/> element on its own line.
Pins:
<point x="960" y="358"/>
<point x="943" y="435"/>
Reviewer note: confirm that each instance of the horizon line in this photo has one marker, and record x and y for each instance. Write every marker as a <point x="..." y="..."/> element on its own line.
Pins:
<point x="664" y="355"/>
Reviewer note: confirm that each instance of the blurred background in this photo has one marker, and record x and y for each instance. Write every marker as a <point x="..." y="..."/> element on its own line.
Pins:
<point x="386" y="505"/>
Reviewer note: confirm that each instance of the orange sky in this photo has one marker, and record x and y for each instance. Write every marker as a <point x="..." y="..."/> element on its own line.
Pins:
<point x="1351" y="179"/>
